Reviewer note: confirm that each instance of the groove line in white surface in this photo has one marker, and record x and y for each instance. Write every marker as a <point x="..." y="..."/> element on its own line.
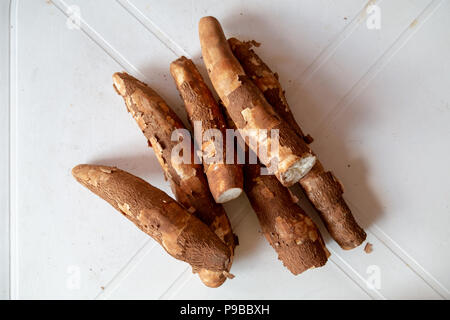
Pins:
<point x="153" y="28"/>
<point x="112" y="52"/>
<point x="340" y="264"/>
<point x="375" y="231"/>
<point x="376" y="68"/>
<point x="410" y="262"/>
<point x="91" y="33"/>
<point x="353" y="93"/>
<point x="346" y="101"/>
<point x="13" y="98"/>
<point x="116" y="56"/>
<point x="348" y="270"/>
<point x="185" y="275"/>
<point x="138" y="258"/>
<point x="343" y="266"/>
<point x="334" y="45"/>
<point x="435" y="284"/>
<point x="178" y="284"/>
<point x="123" y="273"/>
<point x="342" y="105"/>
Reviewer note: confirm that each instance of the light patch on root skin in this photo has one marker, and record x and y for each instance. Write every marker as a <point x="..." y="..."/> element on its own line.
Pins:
<point x="157" y="148"/>
<point x="283" y="229"/>
<point x="171" y="232"/>
<point x="267" y="82"/>
<point x="191" y="210"/>
<point x="298" y="170"/>
<point x="140" y="101"/>
<point x="294" y="198"/>
<point x="254" y="61"/>
<point x="296" y="230"/>
<point x="309" y="222"/>
<point x="179" y="72"/>
<point x="266" y="193"/>
<point x="220" y="226"/>
<point x="247" y="115"/>
<point x="119" y="84"/>
<point x="258" y="118"/>
<point x="129" y="105"/>
<point x="170" y="243"/>
<point x="141" y="122"/>
<point x="229" y="195"/>
<point x="313" y="236"/>
<point x="94" y="176"/>
<point x="125" y="208"/>
<point x="184" y="171"/>
<point x="209" y="151"/>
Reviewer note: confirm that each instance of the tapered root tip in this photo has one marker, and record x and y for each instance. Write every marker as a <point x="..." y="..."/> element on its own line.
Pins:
<point x="208" y="21"/>
<point x="119" y="82"/>
<point x="91" y="174"/>
<point x="78" y="170"/>
<point x="209" y="28"/>
<point x="212" y="279"/>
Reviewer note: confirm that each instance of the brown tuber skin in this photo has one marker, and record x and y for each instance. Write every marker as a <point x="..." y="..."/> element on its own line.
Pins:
<point x="181" y="234"/>
<point x="288" y="229"/>
<point x="321" y="187"/>
<point x="249" y="109"/>
<point x="225" y="180"/>
<point x="292" y="234"/>
<point x="188" y="182"/>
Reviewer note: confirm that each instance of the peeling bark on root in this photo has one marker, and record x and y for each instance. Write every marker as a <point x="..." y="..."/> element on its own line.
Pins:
<point x="249" y="109"/>
<point x="188" y="182"/>
<point x="321" y="187"/>
<point x="292" y="234"/>
<point x="225" y="180"/>
<point x="265" y="80"/>
<point x="325" y="193"/>
<point x="181" y="234"/>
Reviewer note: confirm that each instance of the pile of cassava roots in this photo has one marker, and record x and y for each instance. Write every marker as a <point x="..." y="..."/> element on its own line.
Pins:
<point x="195" y="228"/>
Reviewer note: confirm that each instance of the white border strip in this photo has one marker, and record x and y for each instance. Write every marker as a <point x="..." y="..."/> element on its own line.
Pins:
<point x="4" y="158"/>
<point x="13" y="230"/>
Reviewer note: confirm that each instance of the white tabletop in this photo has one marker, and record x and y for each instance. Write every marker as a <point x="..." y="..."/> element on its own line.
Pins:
<point x="369" y="81"/>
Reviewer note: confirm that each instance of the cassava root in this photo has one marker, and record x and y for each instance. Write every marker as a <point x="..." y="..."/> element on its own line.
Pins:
<point x="180" y="233"/>
<point x="292" y="234"/>
<point x="322" y="188"/>
<point x="225" y="180"/>
<point x="187" y="179"/>
<point x="249" y="109"/>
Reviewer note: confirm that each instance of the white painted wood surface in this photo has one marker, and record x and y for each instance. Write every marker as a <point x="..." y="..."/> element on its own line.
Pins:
<point x="377" y="103"/>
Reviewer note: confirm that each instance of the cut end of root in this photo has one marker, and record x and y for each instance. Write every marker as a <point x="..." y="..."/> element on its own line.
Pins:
<point x="298" y="170"/>
<point x="229" y="195"/>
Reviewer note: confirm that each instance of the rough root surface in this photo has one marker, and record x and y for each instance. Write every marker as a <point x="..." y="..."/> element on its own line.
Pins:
<point x="321" y="187"/>
<point x="187" y="180"/>
<point x="248" y="107"/>
<point x="180" y="233"/>
<point x="202" y="108"/>
<point x="288" y="229"/>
